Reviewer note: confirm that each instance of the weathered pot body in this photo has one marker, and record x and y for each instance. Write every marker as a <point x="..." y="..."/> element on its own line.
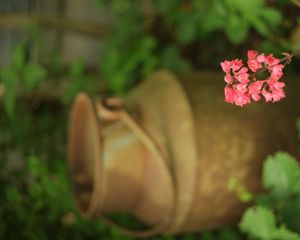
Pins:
<point x="202" y="141"/>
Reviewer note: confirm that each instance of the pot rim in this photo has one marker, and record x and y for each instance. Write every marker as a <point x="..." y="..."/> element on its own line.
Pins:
<point x="84" y="125"/>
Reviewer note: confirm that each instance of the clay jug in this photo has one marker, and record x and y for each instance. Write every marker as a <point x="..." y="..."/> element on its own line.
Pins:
<point x="166" y="152"/>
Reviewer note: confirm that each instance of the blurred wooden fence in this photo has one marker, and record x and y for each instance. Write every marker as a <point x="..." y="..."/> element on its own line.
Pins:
<point x="75" y="28"/>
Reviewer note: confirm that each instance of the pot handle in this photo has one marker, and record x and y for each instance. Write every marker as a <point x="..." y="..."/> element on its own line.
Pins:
<point x="113" y="109"/>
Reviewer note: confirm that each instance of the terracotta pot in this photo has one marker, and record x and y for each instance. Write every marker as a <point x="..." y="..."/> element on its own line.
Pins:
<point x="168" y="158"/>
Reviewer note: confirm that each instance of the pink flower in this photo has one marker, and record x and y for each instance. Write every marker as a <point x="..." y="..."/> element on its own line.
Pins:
<point x="226" y="66"/>
<point x="276" y="90"/>
<point x="275" y="93"/>
<point x="274" y="67"/>
<point x="229" y="94"/>
<point x="276" y="71"/>
<point x="237" y="94"/>
<point x="251" y="54"/>
<point x="243" y="86"/>
<point x="236" y="64"/>
<point x="275" y="85"/>
<point x="242" y="99"/>
<point x="228" y="78"/>
<point x="242" y="76"/>
<point x="242" y="96"/>
<point x="261" y="58"/>
<point x="278" y="94"/>
<point x="235" y="71"/>
<point x="254" y="60"/>
<point x="271" y="60"/>
<point x="267" y="95"/>
<point x="255" y="90"/>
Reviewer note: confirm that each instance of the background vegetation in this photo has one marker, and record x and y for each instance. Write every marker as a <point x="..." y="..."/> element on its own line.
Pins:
<point x="146" y="35"/>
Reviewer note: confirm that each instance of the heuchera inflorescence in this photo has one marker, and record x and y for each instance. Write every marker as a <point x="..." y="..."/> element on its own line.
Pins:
<point x="245" y="84"/>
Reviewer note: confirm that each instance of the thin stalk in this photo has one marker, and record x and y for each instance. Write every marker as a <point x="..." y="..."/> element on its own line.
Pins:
<point x="287" y="58"/>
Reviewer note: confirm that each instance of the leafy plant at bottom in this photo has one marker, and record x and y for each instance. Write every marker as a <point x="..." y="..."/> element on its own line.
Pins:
<point x="36" y="203"/>
<point x="276" y="215"/>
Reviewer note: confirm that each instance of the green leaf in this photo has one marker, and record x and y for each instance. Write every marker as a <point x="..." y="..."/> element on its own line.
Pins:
<point x="235" y="185"/>
<point x="190" y="236"/>
<point x="241" y="7"/>
<point x="19" y="56"/>
<point x="33" y="75"/>
<point x="172" y="60"/>
<point x="228" y="234"/>
<point x="166" y="5"/>
<point x="77" y="68"/>
<point x="56" y="63"/>
<point x="9" y="78"/>
<point x="10" y="100"/>
<point x="261" y="26"/>
<point x="245" y="196"/>
<point x="271" y="16"/>
<point x="265" y="21"/>
<point x="285" y="234"/>
<point x="35" y="167"/>
<point x="258" y="222"/>
<point x="281" y="173"/>
<point x="73" y="88"/>
<point x="266" y="200"/>
<point x="84" y="84"/>
<point x="135" y="62"/>
<point x="290" y="213"/>
<point x="236" y="29"/>
<point x="186" y="30"/>
<point x="207" y="235"/>
<point x="13" y="195"/>
<point x="152" y="62"/>
<point x="214" y="19"/>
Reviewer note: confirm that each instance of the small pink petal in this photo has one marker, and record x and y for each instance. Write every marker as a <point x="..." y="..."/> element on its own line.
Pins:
<point x="254" y="65"/>
<point x="261" y="58"/>
<point x="241" y="88"/>
<point x="278" y="94"/>
<point x="229" y="94"/>
<point x="228" y="78"/>
<point x="267" y="95"/>
<point x="226" y="66"/>
<point x="251" y="54"/>
<point x="242" y="99"/>
<point x="236" y="64"/>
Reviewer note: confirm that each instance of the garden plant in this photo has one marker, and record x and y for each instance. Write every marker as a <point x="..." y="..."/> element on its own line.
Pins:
<point x="36" y="200"/>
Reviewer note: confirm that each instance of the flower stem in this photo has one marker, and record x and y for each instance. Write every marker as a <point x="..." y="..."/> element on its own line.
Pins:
<point x="288" y="58"/>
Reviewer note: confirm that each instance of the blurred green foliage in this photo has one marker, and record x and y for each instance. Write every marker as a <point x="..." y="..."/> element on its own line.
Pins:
<point x="79" y="81"/>
<point x="276" y="215"/>
<point x="35" y="197"/>
<point x="181" y="35"/>
<point x="20" y="73"/>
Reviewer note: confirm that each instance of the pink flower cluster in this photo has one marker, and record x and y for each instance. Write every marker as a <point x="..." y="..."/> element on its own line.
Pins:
<point x="244" y="83"/>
